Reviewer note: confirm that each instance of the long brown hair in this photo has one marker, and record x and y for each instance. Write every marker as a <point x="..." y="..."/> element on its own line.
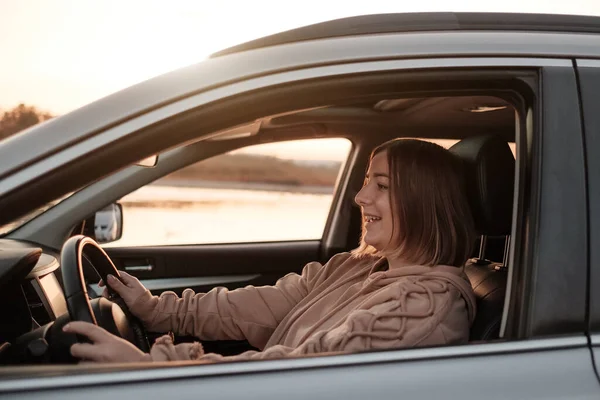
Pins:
<point x="432" y="219"/>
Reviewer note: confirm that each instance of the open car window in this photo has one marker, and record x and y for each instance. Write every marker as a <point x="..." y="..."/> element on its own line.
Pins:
<point x="268" y="192"/>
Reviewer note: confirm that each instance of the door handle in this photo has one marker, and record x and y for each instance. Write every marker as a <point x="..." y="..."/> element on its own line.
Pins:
<point x="138" y="268"/>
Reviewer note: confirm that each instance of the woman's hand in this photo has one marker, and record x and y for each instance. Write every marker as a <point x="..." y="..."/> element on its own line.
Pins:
<point x="130" y="289"/>
<point x="104" y="346"/>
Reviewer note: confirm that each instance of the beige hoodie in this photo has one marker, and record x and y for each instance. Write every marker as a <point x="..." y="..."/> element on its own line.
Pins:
<point x="346" y="305"/>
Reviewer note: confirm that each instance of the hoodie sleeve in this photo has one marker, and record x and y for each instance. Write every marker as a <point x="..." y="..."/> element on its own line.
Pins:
<point x="398" y="323"/>
<point x="250" y="313"/>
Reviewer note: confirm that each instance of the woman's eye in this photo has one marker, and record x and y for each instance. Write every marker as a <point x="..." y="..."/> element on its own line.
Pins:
<point x="381" y="187"/>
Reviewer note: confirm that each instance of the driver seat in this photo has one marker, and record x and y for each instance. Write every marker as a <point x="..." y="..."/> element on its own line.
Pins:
<point x="490" y="170"/>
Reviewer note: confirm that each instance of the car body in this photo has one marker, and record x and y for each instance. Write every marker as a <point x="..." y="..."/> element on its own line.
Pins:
<point x="340" y="80"/>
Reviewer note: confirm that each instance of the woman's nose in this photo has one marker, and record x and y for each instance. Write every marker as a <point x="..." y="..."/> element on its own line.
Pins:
<point x="362" y="197"/>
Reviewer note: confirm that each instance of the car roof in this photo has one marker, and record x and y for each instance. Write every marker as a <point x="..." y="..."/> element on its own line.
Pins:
<point x="420" y="22"/>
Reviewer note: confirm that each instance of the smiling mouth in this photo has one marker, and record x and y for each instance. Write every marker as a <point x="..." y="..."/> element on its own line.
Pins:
<point x="369" y="219"/>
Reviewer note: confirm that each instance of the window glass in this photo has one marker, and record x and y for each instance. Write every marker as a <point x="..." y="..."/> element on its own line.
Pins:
<point x="268" y="192"/>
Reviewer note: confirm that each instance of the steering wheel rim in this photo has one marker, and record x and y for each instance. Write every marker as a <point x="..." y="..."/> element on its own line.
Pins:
<point x="75" y="290"/>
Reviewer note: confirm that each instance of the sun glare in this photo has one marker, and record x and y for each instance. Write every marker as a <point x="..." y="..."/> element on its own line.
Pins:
<point x="63" y="54"/>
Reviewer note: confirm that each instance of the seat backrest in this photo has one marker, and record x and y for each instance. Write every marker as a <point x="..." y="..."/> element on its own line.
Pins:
<point x="490" y="170"/>
<point x="489" y="285"/>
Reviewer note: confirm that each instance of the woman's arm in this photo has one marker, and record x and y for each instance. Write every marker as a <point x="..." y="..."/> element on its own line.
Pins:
<point x="250" y="313"/>
<point x="407" y="318"/>
<point x="394" y="324"/>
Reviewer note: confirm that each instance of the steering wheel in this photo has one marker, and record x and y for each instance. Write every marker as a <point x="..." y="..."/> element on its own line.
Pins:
<point x="112" y="315"/>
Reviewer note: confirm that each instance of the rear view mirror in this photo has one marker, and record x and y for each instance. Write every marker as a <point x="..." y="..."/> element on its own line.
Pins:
<point x="148" y="162"/>
<point x="108" y="223"/>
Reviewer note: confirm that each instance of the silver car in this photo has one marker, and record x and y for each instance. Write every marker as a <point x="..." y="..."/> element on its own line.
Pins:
<point x="517" y="96"/>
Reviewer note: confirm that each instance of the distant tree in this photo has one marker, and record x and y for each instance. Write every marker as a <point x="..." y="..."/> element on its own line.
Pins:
<point x="19" y="118"/>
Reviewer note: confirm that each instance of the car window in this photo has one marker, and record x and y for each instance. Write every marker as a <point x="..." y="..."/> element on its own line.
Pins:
<point x="267" y="192"/>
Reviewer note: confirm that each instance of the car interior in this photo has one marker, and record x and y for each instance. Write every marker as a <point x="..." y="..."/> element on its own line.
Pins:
<point x="481" y="126"/>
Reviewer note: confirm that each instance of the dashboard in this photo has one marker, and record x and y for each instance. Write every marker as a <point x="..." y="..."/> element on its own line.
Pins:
<point x="43" y="291"/>
<point x="32" y="302"/>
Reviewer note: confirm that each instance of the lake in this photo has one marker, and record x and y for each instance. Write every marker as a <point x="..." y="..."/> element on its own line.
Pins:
<point x="167" y="215"/>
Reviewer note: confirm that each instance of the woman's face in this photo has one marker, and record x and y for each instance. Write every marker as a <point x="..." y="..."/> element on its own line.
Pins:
<point x="374" y="202"/>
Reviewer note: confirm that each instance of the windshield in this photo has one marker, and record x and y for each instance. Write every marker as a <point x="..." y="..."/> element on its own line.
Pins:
<point x="7" y="228"/>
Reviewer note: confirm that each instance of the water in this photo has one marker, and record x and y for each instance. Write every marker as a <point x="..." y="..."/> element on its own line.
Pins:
<point x="163" y="215"/>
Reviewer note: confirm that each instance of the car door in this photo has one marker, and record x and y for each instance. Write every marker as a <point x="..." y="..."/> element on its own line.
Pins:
<point x="547" y="355"/>
<point x="589" y="86"/>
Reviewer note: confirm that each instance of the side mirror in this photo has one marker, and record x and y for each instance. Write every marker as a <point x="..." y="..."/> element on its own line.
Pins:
<point x="108" y="223"/>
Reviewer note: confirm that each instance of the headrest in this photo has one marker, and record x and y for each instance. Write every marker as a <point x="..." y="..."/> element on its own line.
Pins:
<point x="490" y="176"/>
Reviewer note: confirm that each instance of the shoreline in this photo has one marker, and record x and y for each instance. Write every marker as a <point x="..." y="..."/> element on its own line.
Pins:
<point x="267" y="187"/>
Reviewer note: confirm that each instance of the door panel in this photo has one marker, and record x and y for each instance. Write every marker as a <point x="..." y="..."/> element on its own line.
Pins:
<point x="201" y="268"/>
<point x="501" y="372"/>
<point x="589" y="83"/>
<point x="231" y="265"/>
<point x="556" y="293"/>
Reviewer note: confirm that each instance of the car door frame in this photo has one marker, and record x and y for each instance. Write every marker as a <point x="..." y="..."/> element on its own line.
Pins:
<point x="588" y="73"/>
<point x="40" y="234"/>
<point x="407" y="370"/>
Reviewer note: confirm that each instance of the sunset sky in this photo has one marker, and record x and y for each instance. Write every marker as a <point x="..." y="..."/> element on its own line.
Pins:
<point x="59" y="55"/>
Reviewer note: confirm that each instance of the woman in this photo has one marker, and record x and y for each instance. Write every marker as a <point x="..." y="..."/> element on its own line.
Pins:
<point x="402" y="287"/>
